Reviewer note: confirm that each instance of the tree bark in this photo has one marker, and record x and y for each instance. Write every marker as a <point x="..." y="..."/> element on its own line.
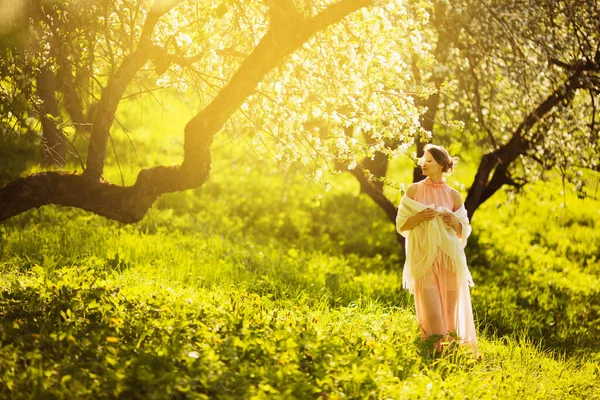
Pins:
<point x="427" y="121"/>
<point x="122" y="203"/>
<point x="377" y="166"/>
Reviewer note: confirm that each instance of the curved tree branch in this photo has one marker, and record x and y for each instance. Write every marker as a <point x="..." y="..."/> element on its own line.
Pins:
<point x="129" y="204"/>
<point x="122" y="203"/>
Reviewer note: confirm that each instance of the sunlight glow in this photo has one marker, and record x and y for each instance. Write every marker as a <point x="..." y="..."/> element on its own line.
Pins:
<point x="9" y="13"/>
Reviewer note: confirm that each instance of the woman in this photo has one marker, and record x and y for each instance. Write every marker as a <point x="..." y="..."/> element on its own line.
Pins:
<point x="432" y="218"/>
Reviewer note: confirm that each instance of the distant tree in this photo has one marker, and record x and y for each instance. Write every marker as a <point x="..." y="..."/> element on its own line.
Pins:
<point x="268" y="70"/>
<point x="49" y="52"/>
<point x="523" y="77"/>
<point x="534" y="92"/>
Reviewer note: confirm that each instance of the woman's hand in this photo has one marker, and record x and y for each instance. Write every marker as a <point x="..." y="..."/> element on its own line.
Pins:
<point x="450" y="220"/>
<point x="426" y="215"/>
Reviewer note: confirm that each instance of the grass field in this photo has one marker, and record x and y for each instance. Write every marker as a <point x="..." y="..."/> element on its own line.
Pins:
<point x="245" y="288"/>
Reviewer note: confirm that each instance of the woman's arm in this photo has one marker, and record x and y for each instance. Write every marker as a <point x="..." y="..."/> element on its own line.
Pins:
<point x="416" y="219"/>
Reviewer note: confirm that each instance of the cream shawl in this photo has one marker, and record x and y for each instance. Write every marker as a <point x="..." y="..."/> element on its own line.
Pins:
<point x="424" y="240"/>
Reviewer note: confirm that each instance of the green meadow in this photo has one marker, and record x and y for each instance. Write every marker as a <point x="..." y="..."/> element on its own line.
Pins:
<point x="260" y="285"/>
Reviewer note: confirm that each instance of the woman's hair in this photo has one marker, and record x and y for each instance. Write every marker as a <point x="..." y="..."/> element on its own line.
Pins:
<point x="441" y="156"/>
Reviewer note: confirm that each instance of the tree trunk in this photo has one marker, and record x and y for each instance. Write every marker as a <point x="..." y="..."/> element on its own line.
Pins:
<point x="427" y="122"/>
<point x="104" y="112"/>
<point x="54" y="144"/>
<point x="500" y="160"/>
<point x="377" y="166"/>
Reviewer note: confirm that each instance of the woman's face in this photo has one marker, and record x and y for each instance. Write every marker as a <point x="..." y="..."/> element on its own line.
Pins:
<point x="430" y="166"/>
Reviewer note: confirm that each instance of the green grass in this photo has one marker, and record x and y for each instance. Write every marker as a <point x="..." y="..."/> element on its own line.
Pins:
<point x="536" y="264"/>
<point x="18" y="153"/>
<point x="89" y="332"/>
<point x="245" y="289"/>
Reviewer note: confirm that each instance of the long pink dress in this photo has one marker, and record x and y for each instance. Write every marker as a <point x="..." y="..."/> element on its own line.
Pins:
<point x="442" y="303"/>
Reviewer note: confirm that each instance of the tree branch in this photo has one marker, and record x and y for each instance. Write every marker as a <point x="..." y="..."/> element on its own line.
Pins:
<point x="130" y="203"/>
<point x="122" y="203"/>
<point x="279" y="42"/>
<point x="478" y="105"/>
<point x="501" y="158"/>
<point x="593" y="133"/>
<point x="113" y="92"/>
<point x="378" y="197"/>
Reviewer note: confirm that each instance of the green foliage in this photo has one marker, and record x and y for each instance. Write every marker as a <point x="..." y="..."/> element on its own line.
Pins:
<point x="88" y="332"/>
<point x="17" y="152"/>
<point x="246" y="289"/>
<point x="536" y="265"/>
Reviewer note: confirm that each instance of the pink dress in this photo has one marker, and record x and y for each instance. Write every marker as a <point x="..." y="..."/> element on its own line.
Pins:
<point x="442" y="303"/>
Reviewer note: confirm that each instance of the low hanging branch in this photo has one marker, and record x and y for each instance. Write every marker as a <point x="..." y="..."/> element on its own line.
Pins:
<point x="130" y="203"/>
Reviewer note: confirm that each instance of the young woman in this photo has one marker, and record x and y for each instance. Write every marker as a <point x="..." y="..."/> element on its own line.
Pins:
<point x="434" y="222"/>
